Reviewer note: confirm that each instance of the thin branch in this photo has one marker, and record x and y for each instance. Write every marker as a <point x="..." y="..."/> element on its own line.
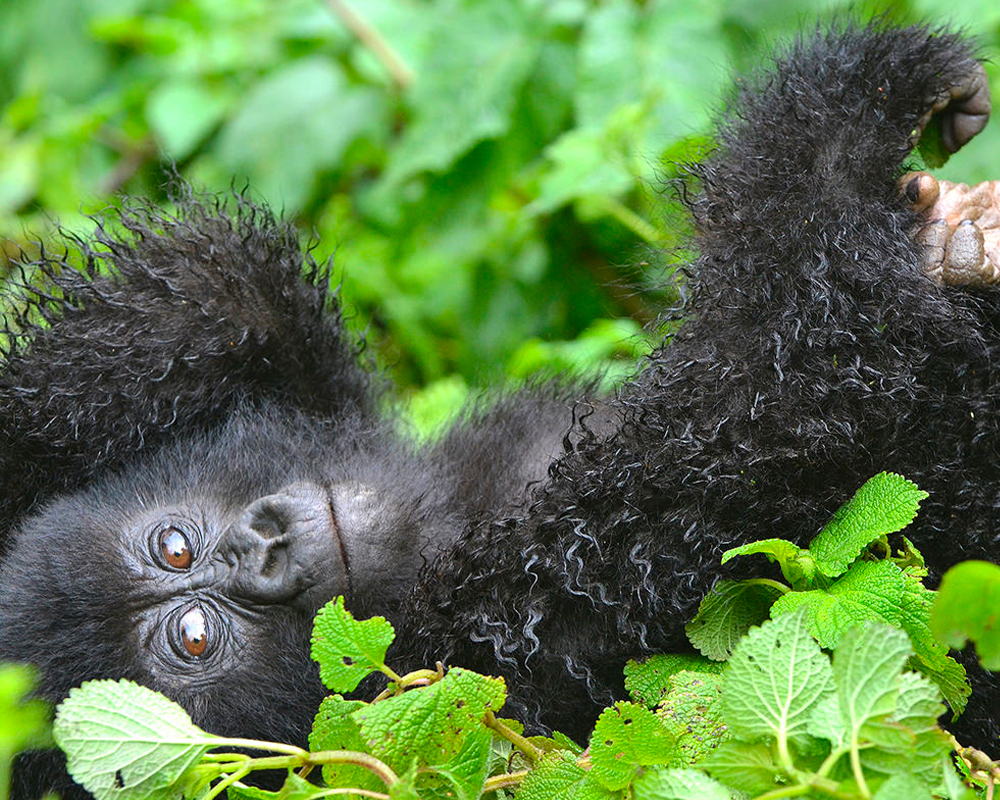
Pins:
<point x="374" y="41"/>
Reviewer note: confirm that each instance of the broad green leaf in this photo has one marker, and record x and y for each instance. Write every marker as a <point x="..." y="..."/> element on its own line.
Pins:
<point x="727" y="613"/>
<point x="910" y="741"/>
<point x="294" y="788"/>
<point x="747" y="767"/>
<point x="930" y="656"/>
<point x="678" y="784"/>
<point x="334" y="728"/>
<point x="866" y="669"/>
<point x="648" y="681"/>
<point x="430" y="723"/>
<point x="126" y="742"/>
<point x="797" y="565"/>
<point x="348" y="650"/>
<point x="466" y="90"/>
<point x="23" y="723"/>
<point x="464" y="775"/>
<point x="558" y="777"/>
<point x="968" y="607"/>
<point x="776" y="676"/>
<point x="871" y="591"/>
<point x="626" y="737"/>
<point x="885" y="504"/>
<point x="692" y="712"/>
<point x="182" y="112"/>
<point x="903" y="787"/>
<point x="295" y="123"/>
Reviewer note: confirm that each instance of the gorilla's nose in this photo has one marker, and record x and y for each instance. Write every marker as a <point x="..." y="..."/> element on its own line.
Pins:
<point x="282" y="545"/>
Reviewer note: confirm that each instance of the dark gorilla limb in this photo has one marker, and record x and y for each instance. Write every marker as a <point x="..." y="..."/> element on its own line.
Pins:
<point x="814" y="354"/>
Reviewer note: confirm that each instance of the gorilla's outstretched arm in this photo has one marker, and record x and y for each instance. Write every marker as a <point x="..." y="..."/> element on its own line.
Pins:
<point x="814" y="353"/>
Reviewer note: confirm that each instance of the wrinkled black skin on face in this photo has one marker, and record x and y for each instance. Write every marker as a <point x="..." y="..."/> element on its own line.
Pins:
<point x="205" y="374"/>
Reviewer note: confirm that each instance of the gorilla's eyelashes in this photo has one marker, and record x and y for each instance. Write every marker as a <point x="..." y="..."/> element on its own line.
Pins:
<point x="194" y="632"/>
<point x="175" y="549"/>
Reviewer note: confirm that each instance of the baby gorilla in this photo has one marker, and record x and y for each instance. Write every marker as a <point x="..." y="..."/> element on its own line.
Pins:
<point x="193" y="460"/>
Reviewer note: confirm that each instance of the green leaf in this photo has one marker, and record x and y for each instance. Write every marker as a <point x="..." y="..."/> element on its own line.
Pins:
<point x="885" y="504"/>
<point x="692" y="712"/>
<point x="466" y="90"/>
<point x="930" y="657"/>
<point x="797" y="565"/>
<point x="335" y="728"/>
<point x="626" y="737"/>
<point x="348" y="650"/>
<point x="181" y="114"/>
<point x="678" y="784"/>
<point x="866" y="668"/>
<point x="430" y="723"/>
<point x="903" y="787"/>
<point x="464" y="775"/>
<point x="747" y="767"/>
<point x="968" y="607"/>
<point x="24" y="723"/>
<point x="558" y="777"/>
<point x="910" y="742"/>
<point x="648" y="681"/>
<point x="871" y="591"/>
<point x="776" y="676"/>
<point x="126" y="742"/>
<point x="727" y="613"/>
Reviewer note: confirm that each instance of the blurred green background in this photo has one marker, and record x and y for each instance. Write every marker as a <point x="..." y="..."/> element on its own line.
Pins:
<point x="487" y="173"/>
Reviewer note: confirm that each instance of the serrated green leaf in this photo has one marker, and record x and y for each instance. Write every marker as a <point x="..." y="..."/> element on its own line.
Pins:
<point x="335" y="728"/>
<point x="558" y="777"/>
<point x="747" y="767"/>
<point x="678" y="784"/>
<point x="462" y="777"/>
<point x="294" y="788"/>
<point x="430" y="723"/>
<point x="866" y="669"/>
<point x="968" y="607"/>
<point x="348" y="650"/>
<point x="870" y="591"/>
<point x="776" y="677"/>
<point x="930" y="657"/>
<point x="797" y="565"/>
<point x="885" y="504"/>
<point x="628" y="736"/>
<point x="727" y="613"/>
<point x="126" y="742"/>
<point x="647" y="681"/>
<point x="692" y="712"/>
<point x="910" y="741"/>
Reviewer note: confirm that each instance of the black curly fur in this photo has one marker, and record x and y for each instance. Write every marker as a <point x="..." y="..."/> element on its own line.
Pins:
<point x="813" y="354"/>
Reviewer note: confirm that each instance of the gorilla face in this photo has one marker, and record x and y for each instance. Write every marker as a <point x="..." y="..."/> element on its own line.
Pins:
<point x="198" y="571"/>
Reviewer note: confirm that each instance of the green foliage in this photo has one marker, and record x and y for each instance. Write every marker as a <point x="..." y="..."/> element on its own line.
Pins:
<point x="24" y="723"/>
<point x="967" y="607"/>
<point x="484" y="170"/>
<point x="348" y="650"/>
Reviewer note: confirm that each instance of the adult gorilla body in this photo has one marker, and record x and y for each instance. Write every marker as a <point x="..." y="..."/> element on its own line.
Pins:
<point x="193" y="461"/>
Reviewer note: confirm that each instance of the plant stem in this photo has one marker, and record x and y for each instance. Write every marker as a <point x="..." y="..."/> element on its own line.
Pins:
<point x="859" y="774"/>
<point x="533" y="753"/>
<point x="374" y="41"/>
<point x="768" y="582"/>
<point x="504" y="781"/>
<point x="358" y="792"/>
<point x="370" y="763"/>
<point x="257" y="744"/>
<point x="627" y="217"/>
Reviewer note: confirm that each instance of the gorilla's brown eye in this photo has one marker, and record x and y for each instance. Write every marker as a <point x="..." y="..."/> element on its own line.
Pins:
<point x="194" y="632"/>
<point x="175" y="549"/>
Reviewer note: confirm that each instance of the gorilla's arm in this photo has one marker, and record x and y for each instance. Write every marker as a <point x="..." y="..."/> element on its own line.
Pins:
<point x="171" y="323"/>
<point x="814" y="354"/>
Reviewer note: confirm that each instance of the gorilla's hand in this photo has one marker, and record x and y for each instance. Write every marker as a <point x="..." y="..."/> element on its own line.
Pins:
<point x="961" y="229"/>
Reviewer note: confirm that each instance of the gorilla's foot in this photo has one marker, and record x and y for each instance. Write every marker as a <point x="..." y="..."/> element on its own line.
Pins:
<point x="961" y="232"/>
<point x="964" y="110"/>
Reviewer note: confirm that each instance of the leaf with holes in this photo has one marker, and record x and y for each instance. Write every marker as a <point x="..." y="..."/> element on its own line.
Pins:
<point x="126" y="742"/>
<point x="348" y="650"/>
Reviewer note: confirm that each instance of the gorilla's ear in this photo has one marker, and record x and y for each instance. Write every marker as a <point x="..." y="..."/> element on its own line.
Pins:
<point x="170" y="322"/>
